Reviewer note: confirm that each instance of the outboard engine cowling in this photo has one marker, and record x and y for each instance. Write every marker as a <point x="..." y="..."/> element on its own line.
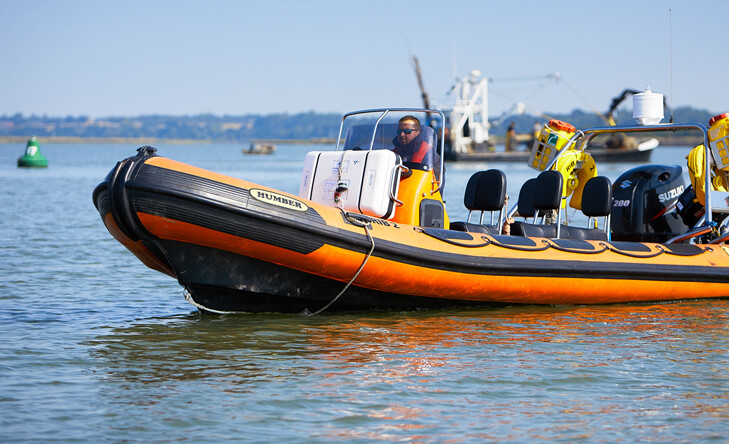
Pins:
<point x="643" y="204"/>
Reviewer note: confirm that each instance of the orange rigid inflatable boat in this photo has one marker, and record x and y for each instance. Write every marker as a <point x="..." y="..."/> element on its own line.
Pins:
<point x="369" y="230"/>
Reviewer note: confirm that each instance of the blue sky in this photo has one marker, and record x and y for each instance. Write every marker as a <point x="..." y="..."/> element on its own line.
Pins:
<point x="125" y="58"/>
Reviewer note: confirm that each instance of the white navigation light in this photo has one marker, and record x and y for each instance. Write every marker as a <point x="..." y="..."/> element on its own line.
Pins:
<point x="648" y="107"/>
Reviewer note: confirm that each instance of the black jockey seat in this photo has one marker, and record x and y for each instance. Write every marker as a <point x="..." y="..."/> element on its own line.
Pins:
<point x="597" y="202"/>
<point x="536" y="197"/>
<point x="485" y="191"/>
<point x="524" y="203"/>
<point x="546" y="194"/>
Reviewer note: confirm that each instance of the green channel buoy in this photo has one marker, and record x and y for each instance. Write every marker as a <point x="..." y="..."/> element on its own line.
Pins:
<point x="32" y="157"/>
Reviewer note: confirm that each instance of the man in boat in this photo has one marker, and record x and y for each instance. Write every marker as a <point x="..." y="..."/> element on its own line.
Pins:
<point x="509" y="139"/>
<point x="409" y="143"/>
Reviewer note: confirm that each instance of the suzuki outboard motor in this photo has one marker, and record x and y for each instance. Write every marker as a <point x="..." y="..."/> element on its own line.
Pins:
<point x="643" y="204"/>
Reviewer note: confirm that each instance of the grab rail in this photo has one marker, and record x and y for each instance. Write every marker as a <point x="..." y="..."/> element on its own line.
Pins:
<point x="588" y="134"/>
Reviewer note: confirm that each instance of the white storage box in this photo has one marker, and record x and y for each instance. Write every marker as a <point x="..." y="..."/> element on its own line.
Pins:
<point x="369" y="177"/>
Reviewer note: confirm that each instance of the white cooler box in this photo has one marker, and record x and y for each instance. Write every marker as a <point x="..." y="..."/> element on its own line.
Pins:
<point x="369" y="176"/>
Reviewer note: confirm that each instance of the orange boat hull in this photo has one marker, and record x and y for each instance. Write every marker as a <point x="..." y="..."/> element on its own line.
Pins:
<point x="239" y="246"/>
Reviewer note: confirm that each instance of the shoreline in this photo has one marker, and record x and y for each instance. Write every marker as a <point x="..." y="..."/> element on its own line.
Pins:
<point x="103" y="140"/>
<point x="152" y="140"/>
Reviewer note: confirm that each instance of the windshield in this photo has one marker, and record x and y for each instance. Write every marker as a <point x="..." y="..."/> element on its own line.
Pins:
<point x="416" y="144"/>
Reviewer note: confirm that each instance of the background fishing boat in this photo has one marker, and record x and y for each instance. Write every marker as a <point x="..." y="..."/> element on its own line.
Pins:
<point x="469" y="139"/>
<point x="260" y="148"/>
<point x="468" y="126"/>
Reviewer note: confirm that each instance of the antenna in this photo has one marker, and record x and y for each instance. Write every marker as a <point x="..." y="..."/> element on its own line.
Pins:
<point x="670" y="58"/>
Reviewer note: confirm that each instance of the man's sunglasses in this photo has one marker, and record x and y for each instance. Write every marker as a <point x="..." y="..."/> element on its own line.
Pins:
<point x="406" y="131"/>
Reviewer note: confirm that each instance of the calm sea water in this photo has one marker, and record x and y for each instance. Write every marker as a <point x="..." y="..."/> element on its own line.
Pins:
<point x="97" y="348"/>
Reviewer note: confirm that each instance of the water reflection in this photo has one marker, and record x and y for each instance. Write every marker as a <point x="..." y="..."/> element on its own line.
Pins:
<point x="489" y="374"/>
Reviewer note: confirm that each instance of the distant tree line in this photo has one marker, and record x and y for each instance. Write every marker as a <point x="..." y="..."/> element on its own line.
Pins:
<point x="244" y="128"/>
<point x="200" y="127"/>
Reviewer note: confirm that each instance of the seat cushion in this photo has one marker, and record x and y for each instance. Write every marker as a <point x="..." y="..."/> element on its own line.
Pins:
<point x="550" y="232"/>
<point x="579" y="233"/>
<point x="475" y="228"/>
<point x="532" y="230"/>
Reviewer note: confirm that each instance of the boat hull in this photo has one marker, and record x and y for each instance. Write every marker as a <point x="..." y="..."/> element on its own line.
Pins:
<point x="237" y="246"/>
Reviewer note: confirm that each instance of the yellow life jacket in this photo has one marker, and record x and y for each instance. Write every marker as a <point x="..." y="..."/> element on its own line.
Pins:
<point x="697" y="174"/>
<point x="574" y="178"/>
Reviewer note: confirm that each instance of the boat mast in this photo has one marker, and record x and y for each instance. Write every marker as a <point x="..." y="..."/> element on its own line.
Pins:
<point x="469" y="124"/>
<point x="419" y="75"/>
